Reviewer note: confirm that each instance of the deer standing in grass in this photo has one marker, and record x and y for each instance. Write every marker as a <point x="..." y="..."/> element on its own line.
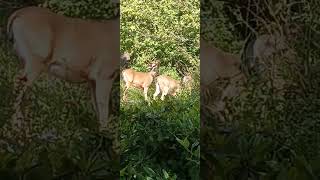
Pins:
<point x="142" y="80"/>
<point x="72" y="49"/>
<point x="267" y="55"/>
<point x="217" y="64"/>
<point x="188" y="81"/>
<point x="167" y="85"/>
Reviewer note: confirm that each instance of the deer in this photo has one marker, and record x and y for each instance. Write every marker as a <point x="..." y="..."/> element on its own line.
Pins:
<point x="218" y="65"/>
<point x="141" y="80"/>
<point x="187" y="80"/>
<point x="167" y="85"/>
<point x="260" y="53"/>
<point x="72" y="49"/>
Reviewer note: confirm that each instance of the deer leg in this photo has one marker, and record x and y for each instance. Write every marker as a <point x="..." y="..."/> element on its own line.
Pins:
<point x="164" y="93"/>
<point x="145" y="92"/>
<point x="92" y="85"/>
<point x="32" y="70"/>
<point x="157" y="92"/>
<point x="219" y="108"/>
<point x="103" y="91"/>
<point x="124" y="98"/>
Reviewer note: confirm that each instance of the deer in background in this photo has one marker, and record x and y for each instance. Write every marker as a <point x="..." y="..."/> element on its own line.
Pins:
<point x="188" y="81"/>
<point x="167" y="85"/>
<point x="217" y="64"/>
<point x="142" y="80"/>
<point x="72" y="49"/>
<point x="266" y="55"/>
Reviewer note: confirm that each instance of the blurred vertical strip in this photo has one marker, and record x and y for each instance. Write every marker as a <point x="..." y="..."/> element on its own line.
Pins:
<point x="64" y="141"/>
<point x="260" y="89"/>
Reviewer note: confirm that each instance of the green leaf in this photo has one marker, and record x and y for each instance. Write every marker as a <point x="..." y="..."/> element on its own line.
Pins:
<point x="149" y="171"/>
<point x="166" y="175"/>
<point x="185" y="142"/>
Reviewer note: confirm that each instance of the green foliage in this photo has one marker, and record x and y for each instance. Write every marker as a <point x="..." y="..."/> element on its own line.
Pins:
<point x="217" y="27"/>
<point x="160" y="141"/>
<point x="86" y="9"/>
<point x="81" y="155"/>
<point x="165" y="30"/>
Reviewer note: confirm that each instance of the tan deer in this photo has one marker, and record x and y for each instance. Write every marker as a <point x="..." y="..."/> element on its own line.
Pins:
<point x="72" y="49"/>
<point x="167" y="85"/>
<point x="187" y="80"/>
<point x="270" y="52"/>
<point x="217" y="64"/>
<point x="142" y="80"/>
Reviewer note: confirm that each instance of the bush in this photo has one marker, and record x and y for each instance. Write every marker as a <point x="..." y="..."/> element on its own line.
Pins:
<point x="160" y="141"/>
<point x="163" y="30"/>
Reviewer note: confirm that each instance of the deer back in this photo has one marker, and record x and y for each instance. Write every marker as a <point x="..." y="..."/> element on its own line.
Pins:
<point x="215" y="63"/>
<point x="84" y="45"/>
<point x="266" y="45"/>
<point x="137" y="78"/>
<point x="167" y="82"/>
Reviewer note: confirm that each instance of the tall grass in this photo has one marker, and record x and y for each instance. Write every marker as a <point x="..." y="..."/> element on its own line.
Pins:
<point x="160" y="141"/>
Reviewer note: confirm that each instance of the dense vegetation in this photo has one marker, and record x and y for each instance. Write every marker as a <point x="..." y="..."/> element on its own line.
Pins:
<point x="161" y="141"/>
<point x="267" y="135"/>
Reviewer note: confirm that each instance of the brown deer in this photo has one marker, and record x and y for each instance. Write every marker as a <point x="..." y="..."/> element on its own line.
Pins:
<point x="167" y="85"/>
<point x="72" y="49"/>
<point x="217" y="64"/>
<point x="268" y="52"/>
<point x="142" y="80"/>
<point x="187" y="80"/>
